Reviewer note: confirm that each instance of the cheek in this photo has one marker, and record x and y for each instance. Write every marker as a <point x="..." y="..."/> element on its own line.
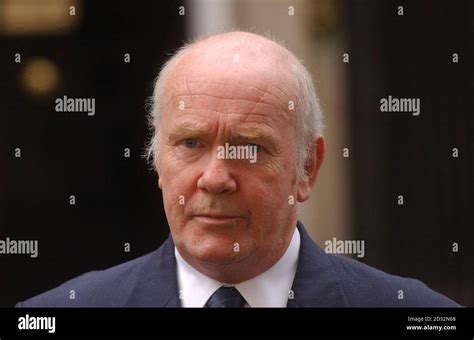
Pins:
<point x="268" y="195"/>
<point x="171" y="199"/>
<point x="176" y="176"/>
<point x="274" y="182"/>
<point x="177" y="188"/>
<point x="266" y="200"/>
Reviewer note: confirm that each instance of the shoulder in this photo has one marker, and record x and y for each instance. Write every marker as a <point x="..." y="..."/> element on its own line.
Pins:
<point x="365" y="286"/>
<point x="103" y="288"/>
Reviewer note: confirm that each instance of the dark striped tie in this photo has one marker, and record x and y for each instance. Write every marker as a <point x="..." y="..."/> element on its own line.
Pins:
<point x="226" y="297"/>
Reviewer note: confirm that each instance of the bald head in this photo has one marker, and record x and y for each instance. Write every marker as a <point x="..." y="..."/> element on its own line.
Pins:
<point x="238" y="52"/>
<point x="235" y="64"/>
<point x="240" y="47"/>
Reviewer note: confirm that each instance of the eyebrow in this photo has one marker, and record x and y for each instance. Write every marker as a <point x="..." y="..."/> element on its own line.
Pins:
<point x="188" y="130"/>
<point x="255" y="134"/>
<point x="238" y="133"/>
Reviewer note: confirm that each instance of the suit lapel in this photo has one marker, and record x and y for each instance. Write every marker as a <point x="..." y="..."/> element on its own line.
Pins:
<point x="157" y="284"/>
<point x="316" y="283"/>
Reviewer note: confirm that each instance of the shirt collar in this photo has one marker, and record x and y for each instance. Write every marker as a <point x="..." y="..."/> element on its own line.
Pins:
<point x="268" y="289"/>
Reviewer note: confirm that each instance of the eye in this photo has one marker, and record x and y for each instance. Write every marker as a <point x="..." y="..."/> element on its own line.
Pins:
<point x="190" y="143"/>
<point x="259" y="147"/>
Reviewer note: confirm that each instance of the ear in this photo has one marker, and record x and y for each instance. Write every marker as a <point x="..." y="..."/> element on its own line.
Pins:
<point x="314" y="161"/>
<point x="157" y="168"/>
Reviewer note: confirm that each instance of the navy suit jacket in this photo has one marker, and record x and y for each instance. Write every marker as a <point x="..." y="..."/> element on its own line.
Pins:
<point x="321" y="280"/>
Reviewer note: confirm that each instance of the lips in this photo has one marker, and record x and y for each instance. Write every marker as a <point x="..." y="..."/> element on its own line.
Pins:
<point x="215" y="218"/>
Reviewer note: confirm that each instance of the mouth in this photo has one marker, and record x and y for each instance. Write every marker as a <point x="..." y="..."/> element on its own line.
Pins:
<point x="215" y="219"/>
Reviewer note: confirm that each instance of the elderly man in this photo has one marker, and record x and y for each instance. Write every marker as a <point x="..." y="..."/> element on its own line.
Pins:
<point x="237" y="142"/>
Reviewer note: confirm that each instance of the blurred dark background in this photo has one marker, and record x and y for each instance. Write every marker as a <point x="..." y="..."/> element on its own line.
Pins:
<point x="117" y="199"/>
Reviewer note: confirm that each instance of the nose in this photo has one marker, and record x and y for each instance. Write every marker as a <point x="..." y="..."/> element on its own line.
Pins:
<point x="216" y="178"/>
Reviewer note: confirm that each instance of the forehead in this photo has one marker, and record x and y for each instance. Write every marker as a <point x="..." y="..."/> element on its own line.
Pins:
<point x="231" y="79"/>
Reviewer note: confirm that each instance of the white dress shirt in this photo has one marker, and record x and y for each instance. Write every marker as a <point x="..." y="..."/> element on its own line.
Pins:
<point x="268" y="289"/>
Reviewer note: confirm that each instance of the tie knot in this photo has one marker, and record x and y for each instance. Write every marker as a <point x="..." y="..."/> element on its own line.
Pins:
<point x="226" y="297"/>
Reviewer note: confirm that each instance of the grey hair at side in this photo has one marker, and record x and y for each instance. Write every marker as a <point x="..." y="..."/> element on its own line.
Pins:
<point x="309" y="116"/>
<point x="153" y="107"/>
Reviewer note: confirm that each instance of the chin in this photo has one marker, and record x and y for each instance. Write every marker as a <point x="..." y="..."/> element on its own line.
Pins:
<point x="217" y="250"/>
